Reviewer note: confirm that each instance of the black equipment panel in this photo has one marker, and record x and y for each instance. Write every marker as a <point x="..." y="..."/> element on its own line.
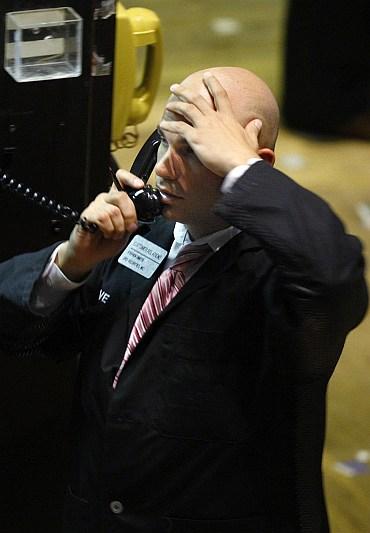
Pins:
<point x="55" y="137"/>
<point x="55" y="134"/>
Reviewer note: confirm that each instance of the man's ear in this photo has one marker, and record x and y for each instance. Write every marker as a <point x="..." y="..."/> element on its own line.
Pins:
<point x="268" y="155"/>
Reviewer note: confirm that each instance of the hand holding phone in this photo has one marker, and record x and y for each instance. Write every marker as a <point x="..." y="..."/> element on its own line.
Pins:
<point x="87" y="246"/>
<point x="111" y="219"/>
<point x="147" y="199"/>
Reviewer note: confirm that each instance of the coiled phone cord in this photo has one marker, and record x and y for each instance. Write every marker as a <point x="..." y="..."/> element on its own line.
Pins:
<point x="147" y="201"/>
<point x="60" y="210"/>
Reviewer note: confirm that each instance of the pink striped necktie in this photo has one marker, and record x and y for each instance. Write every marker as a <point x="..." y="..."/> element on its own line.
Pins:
<point x="165" y="288"/>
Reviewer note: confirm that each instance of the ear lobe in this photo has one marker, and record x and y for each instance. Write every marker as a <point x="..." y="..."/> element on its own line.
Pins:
<point x="268" y="155"/>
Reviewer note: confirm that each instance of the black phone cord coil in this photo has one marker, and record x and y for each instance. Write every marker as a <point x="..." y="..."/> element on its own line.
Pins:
<point x="60" y="210"/>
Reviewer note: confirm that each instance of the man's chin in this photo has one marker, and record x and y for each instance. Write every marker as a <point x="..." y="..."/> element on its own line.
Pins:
<point x="172" y="214"/>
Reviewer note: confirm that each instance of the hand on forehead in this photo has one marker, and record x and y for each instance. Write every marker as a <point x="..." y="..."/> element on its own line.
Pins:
<point x="230" y="90"/>
<point x="195" y="93"/>
<point x="197" y="96"/>
<point x="197" y="87"/>
<point x="247" y="96"/>
<point x="206" y="121"/>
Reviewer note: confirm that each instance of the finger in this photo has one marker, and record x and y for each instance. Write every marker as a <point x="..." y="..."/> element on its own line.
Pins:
<point x="253" y="129"/>
<point x="116" y="220"/>
<point x="185" y="94"/>
<point x="218" y="93"/>
<point x="97" y="218"/>
<point x="177" y="126"/>
<point x="125" y="219"/>
<point x="113" y="213"/>
<point x="127" y="179"/>
<point x="188" y="111"/>
<point x="108" y="219"/>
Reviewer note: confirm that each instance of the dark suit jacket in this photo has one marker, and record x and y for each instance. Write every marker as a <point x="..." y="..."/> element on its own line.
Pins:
<point x="217" y="424"/>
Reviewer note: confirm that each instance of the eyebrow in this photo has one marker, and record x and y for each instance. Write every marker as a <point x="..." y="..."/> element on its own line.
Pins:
<point x="182" y="142"/>
<point x="161" y="134"/>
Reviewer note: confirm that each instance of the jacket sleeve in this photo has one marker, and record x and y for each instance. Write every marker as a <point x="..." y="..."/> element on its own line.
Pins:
<point x="23" y="332"/>
<point x="318" y="268"/>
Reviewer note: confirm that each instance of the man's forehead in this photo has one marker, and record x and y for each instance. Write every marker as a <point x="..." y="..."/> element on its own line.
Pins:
<point x="197" y="90"/>
<point x="171" y="116"/>
<point x="172" y="138"/>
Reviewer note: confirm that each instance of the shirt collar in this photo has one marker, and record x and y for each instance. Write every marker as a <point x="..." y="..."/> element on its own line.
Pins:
<point x="215" y="240"/>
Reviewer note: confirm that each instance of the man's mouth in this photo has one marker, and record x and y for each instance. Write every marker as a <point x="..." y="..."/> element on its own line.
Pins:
<point x="168" y="196"/>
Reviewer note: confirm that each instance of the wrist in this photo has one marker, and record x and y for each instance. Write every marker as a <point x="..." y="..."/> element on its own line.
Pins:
<point x="240" y="159"/>
<point x="71" y="266"/>
<point x="235" y="173"/>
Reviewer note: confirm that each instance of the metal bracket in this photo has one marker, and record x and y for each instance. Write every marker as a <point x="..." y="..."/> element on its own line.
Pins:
<point x="100" y="67"/>
<point x="107" y="9"/>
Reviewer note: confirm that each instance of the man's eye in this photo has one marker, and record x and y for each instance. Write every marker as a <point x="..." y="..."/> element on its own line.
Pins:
<point x="187" y="151"/>
<point x="163" y="141"/>
<point x="183" y="148"/>
<point x="162" y="138"/>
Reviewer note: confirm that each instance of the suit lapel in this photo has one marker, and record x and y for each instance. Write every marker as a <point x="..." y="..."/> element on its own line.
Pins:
<point x="215" y="266"/>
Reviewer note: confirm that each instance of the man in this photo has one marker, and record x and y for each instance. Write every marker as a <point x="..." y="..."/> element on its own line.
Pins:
<point x="208" y="415"/>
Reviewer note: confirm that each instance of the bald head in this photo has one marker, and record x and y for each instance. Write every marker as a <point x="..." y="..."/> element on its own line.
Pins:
<point x="250" y="98"/>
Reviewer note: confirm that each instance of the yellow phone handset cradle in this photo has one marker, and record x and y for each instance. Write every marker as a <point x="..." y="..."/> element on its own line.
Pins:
<point x="135" y="28"/>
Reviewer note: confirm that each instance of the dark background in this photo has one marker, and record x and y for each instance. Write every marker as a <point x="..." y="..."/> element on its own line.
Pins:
<point x="55" y="138"/>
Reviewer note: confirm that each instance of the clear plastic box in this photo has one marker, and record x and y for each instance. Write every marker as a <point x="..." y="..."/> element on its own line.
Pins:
<point x="43" y="44"/>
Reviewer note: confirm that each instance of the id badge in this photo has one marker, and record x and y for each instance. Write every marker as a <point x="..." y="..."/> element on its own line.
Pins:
<point x="142" y="256"/>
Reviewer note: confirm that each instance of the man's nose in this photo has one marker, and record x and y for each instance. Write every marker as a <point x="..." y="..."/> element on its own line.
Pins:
<point x="166" y="164"/>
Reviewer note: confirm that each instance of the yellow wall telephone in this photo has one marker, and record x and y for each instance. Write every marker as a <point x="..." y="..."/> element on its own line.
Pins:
<point x="135" y="28"/>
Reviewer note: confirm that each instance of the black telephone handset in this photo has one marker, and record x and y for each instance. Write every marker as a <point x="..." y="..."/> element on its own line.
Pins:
<point x="147" y="200"/>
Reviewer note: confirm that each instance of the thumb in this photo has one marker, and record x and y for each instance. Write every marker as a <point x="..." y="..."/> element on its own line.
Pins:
<point x="127" y="179"/>
<point x="255" y="127"/>
<point x="252" y="131"/>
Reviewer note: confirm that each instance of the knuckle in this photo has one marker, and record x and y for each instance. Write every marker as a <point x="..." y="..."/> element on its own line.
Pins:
<point x="113" y="197"/>
<point x="100" y="197"/>
<point x="126" y="204"/>
<point x="113" y="211"/>
<point x="102" y="218"/>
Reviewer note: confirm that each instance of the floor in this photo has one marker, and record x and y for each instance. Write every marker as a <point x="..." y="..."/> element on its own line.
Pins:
<point x="250" y="33"/>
